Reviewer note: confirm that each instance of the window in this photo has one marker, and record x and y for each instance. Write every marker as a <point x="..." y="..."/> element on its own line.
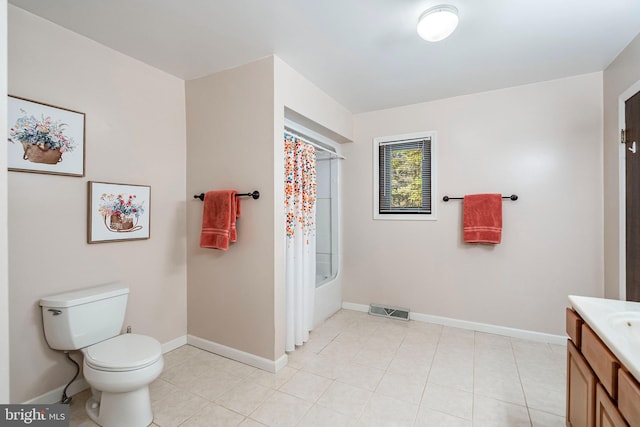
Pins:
<point x="404" y="177"/>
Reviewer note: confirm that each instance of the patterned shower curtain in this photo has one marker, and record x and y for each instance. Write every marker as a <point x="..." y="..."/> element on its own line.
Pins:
<point x="300" y="212"/>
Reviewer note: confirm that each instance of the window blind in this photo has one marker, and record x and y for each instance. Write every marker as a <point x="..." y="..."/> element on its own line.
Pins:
<point x="405" y="176"/>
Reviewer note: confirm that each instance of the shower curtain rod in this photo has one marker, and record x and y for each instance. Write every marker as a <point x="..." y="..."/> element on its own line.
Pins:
<point x="307" y="141"/>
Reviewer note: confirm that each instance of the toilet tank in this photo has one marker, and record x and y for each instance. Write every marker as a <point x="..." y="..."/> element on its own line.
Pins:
<point x="78" y="319"/>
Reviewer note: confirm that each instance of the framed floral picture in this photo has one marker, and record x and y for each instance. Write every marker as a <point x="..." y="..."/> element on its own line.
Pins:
<point x="44" y="138"/>
<point x="118" y="212"/>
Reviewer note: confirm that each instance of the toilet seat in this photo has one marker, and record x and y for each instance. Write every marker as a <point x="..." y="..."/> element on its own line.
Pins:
<point x="125" y="352"/>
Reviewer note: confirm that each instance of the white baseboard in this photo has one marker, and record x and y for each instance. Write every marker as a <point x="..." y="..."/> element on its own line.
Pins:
<point x="173" y="344"/>
<point x="474" y="326"/>
<point x="54" y="396"/>
<point x="280" y="363"/>
<point x="238" y="355"/>
<point x="355" y="307"/>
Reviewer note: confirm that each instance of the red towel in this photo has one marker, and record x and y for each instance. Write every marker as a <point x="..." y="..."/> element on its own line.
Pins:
<point x="235" y="213"/>
<point x="219" y="213"/>
<point x="482" y="218"/>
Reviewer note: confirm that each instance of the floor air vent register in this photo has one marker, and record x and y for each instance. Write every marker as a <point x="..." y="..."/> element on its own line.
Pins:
<point x="389" y="311"/>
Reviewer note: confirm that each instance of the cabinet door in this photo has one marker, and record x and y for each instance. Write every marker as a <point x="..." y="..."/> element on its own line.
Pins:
<point x="629" y="398"/>
<point x="581" y="390"/>
<point x="607" y="415"/>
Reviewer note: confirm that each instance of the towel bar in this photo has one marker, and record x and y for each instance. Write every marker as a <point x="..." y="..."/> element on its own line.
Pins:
<point x="447" y="198"/>
<point x="254" y="194"/>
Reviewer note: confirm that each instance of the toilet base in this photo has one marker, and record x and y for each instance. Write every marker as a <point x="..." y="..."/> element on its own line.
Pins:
<point x="131" y="409"/>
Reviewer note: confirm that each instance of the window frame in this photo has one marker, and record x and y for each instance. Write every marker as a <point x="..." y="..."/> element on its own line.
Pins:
<point x="432" y="135"/>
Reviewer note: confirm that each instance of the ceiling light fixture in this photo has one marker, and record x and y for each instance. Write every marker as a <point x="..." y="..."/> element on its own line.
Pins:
<point x="437" y="23"/>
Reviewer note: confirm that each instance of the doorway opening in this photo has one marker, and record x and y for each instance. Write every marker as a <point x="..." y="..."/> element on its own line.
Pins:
<point x="629" y="121"/>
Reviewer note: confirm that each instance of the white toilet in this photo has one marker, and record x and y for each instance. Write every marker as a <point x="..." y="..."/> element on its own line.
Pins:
<point x="119" y="368"/>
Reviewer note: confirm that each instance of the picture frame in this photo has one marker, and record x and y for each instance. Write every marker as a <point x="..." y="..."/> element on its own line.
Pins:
<point x="44" y="138"/>
<point x="118" y="212"/>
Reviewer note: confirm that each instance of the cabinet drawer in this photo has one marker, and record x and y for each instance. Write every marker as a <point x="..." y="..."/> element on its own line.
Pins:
<point x="602" y="361"/>
<point x="629" y="398"/>
<point x="574" y="322"/>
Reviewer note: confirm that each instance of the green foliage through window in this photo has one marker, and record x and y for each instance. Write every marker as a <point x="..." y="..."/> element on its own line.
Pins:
<point x="404" y="177"/>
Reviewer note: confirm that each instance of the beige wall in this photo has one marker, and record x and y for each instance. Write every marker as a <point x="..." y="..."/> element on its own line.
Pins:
<point x="621" y="74"/>
<point x="135" y="134"/>
<point x="541" y="141"/>
<point x="230" y="145"/>
<point x="235" y="121"/>
<point x="4" y="275"/>
<point x="323" y="113"/>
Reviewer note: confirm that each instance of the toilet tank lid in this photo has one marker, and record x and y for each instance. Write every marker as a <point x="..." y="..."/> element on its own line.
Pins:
<point x="83" y="296"/>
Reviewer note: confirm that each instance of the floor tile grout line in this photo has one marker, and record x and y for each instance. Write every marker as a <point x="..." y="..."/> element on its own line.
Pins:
<point x="334" y="380"/>
<point x="423" y="387"/>
<point x="360" y="415"/>
<point x="426" y="382"/>
<point x="524" y="395"/>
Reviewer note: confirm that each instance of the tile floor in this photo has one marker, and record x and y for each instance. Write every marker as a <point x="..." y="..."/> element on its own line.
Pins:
<point x="360" y="370"/>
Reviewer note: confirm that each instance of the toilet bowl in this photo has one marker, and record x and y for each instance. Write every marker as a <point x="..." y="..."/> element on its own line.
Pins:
<point x="118" y="367"/>
<point x="119" y="371"/>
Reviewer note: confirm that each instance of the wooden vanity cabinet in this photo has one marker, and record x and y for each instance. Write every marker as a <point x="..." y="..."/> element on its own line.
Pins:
<point x="600" y="391"/>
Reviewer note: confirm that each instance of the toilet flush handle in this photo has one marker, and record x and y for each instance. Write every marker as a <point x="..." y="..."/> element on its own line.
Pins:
<point x="55" y="311"/>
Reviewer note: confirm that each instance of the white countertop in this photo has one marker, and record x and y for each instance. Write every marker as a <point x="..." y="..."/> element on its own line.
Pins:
<point x="607" y="318"/>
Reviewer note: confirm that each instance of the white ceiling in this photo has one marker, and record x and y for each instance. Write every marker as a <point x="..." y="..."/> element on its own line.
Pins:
<point x="363" y="53"/>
